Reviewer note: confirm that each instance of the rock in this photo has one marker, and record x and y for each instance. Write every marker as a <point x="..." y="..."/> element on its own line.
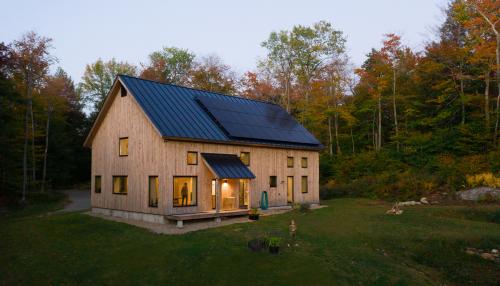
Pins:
<point x="476" y="193"/>
<point x="470" y="252"/>
<point x="487" y="256"/>
<point x="494" y="251"/>
<point x="409" y="203"/>
<point x="424" y="200"/>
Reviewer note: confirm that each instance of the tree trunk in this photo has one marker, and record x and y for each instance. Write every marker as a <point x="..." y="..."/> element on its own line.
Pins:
<point x="487" y="101"/>
<point x="374" y="134"/>
<point x="497" y="34"/>
<point x="33" y="143"/>
<point x="330" y="136"/>
<point x="352" y="141"/>
<point x="462" y="98"/>
<point x="25" y="152"/>
<point x="336" y="125"/>
<point x="379" y="137"/>
<point x="46" y="152"/>
<point x="395" y="109"/>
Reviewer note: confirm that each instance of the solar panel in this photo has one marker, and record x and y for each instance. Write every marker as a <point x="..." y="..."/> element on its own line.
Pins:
<point x="249" y="119"/>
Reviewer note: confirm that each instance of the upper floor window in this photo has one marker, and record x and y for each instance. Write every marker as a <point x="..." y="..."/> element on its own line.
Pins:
<point x="123" y="149"/>
<point x="289" y="162"/>
<point x="120" y="185"/>
<point x="192" y="158"/>
<point x="97" y="184"/>
<point x="245" y="158"/>
<point x="273" y="181"/>
<point x="303" y="162"/>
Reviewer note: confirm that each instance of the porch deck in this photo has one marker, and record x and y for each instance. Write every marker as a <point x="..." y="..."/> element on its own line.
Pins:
<point x="205" y="215"/>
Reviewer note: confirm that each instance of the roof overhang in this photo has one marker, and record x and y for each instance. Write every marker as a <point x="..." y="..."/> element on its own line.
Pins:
<point x="226" y="166"/>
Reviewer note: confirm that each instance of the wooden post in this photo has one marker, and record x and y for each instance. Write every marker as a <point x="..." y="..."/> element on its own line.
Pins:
<point x="218" y="195"/>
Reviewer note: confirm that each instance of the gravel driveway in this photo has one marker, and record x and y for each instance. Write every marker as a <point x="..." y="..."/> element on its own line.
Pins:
<point x="79" y="200"/>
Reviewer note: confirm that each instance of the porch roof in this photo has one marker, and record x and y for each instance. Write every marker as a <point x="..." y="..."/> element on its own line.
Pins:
<point x="227" y="166"/>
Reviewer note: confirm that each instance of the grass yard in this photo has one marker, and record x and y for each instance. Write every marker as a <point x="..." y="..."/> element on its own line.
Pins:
<point x="351" y="242"/>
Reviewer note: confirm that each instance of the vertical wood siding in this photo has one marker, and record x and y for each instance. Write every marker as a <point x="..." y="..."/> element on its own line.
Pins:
<point x="150" y="155"/>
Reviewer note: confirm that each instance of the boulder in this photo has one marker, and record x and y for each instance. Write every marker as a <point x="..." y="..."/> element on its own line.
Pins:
<point x="424" y="201"/>
<point x="477" y="193"/>
<point x="487" y="256"/>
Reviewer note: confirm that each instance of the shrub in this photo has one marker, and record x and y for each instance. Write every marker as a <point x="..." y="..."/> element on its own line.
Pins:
<point x="305" y="207"/>
<point x="483" y="180"/>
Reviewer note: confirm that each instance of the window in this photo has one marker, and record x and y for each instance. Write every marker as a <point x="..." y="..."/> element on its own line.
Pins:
<point x="123" y="92"/>
<point x="153" y="191"/>
<point x="245" y="158"/>
<point x="303" y="162"/>
<point x="97" y="184"/>
<point x="304" y="184"/>
<point x="120" y="185"/>
<point x="273" y="181"/>
<point x="185" y="191"/>
<point x="123" y="146"/>
<point x="289" y="162"/>
<point x="192" y="158"/>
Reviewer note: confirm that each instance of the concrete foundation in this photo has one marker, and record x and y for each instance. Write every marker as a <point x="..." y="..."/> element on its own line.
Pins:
<point x="154" y="218"/>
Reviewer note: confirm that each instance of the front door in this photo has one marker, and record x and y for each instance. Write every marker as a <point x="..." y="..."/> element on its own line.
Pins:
<point x="289" y="189"/>
<point x="213" y="194"/>
<point x="243" y="193"/>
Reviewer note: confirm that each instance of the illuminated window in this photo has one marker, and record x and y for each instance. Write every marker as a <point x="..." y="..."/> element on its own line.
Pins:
<point x="97" y="184"/>
<point x="289" y="162"/>
<point x="304" y="185"/>
<point x="123" y="146"/>
<point x="153" y="191"/>
<point x="192" y="158"/>
<point x="273" y="181"/>
<point x="245" y="158"/>
<point x="185" y="190"/>
<point x="120" y="185"/>
<point x="303" y="162"/>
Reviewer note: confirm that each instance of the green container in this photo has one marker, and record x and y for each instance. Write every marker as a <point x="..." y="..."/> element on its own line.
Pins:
<point x="264" y="204"/>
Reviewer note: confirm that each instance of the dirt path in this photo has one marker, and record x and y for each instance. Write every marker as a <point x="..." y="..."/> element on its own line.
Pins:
<point x="79" y="200"/>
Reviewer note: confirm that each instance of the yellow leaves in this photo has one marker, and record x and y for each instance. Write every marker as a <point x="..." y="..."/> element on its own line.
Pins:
<point x="483" y="180"/>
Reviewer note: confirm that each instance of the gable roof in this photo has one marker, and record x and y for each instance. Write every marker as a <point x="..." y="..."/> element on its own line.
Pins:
<point x="178" y="114"/>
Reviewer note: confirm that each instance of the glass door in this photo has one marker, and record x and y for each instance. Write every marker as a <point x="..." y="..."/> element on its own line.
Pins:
<point x="243" y="193"/>
<point x="289" y="189"/>
<point x="213" y="194"/>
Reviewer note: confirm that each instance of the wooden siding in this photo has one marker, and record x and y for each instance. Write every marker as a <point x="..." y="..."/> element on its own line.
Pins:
<point x="151" y="155"/>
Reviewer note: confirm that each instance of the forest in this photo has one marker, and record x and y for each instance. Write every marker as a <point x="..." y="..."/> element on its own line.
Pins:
<point x="404" y="124"/>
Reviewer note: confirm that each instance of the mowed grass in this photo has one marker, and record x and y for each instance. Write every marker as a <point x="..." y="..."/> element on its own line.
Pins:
<point x="351" y="242"/>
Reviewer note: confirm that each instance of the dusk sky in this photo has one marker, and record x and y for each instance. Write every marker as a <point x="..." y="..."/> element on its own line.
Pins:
<point x="84" y="31"/>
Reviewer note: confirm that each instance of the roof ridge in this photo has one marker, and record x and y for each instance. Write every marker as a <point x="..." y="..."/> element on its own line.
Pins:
<point x="197" y="89"/>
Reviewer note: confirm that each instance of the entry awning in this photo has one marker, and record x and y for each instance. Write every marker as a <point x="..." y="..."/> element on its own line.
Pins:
<point x="227" y="166"/>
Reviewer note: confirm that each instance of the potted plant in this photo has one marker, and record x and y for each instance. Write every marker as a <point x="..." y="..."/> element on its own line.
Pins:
<point x="254" y="214"/>
<point x="274" y="244"/>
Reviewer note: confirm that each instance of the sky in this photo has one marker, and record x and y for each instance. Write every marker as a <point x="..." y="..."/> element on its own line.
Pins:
<point x="83" y="31"/>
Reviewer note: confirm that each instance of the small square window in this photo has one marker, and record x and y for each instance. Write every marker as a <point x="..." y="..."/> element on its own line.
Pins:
<point x="97" y="184"/>
<point x="123" y="92"/>
<point x="289" y="162"/>
<point x="273" y="181"/>
<point x="123" y="149"/>
<point x="120" y="185"/>
<point x="303" y="162"/>
<point x="245" y="158"/>
<point x="305" y="185"/>
<point x="192" y="158"/>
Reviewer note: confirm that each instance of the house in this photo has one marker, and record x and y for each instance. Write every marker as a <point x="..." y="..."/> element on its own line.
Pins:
<point x="161" y="151"/>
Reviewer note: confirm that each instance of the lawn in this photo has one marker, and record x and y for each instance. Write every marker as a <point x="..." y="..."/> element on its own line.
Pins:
<point x="351" y="242"/>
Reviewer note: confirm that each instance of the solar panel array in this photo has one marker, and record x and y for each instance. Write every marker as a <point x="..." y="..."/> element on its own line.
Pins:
<point x="248" y="119"/>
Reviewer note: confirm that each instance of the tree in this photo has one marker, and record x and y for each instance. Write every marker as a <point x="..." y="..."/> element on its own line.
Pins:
<point x="487" y="11"/>
<point x="98" y="79"/>
<point x="170" y="65"/>
<point x="31" y="59"/>
<point x="213" y="75"/>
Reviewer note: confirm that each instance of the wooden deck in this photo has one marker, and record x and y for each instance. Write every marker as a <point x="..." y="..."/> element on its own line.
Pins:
<point x="205" y="215"/>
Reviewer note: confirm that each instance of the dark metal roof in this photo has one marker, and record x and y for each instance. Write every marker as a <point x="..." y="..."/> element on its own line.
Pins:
<point x="177" y="114"/>
<point x="227" y="166"/>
